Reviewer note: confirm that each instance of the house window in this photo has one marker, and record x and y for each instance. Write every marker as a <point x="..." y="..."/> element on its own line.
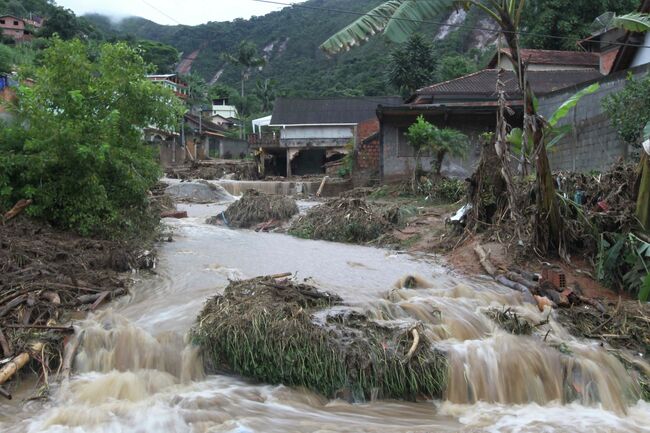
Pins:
<point x="2" y="21"/>
<point x="404" y="148"/>
<point x="15" y="23"/>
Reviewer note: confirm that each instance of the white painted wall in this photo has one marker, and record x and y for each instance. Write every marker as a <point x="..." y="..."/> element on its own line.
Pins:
<point x="316" y="132"/>
<point x="642" y="54"/>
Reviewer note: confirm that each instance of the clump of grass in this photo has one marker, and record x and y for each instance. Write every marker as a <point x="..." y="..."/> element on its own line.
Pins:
<point x="256" y="207"/>
<point x="265" y="330"/>
<point x="509" y="321"/>
<point x="349" y="220"/>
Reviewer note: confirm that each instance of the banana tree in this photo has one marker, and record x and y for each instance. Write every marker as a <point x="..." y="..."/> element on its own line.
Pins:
<point x="553" y="133"/>
<point x="398" y="18"/>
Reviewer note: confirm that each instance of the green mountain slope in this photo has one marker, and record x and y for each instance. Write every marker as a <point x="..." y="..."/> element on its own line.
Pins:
<point x="290" y="39"/>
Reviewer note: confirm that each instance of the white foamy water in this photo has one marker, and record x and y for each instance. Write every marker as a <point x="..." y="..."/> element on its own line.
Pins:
<point x="135" y="371"/>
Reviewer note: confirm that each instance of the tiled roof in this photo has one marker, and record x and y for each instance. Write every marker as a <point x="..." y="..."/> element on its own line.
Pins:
<point x="319" y="111"/>
<point x="206" y="125"/>
<point x="482" y="84"/>
<point x="556" y="58"/>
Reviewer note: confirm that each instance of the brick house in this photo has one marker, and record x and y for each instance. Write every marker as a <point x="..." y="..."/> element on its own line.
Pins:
<point x="14" y="27"/>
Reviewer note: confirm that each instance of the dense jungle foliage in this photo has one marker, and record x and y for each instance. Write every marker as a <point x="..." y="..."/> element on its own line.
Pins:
<point x="290" y="39"/>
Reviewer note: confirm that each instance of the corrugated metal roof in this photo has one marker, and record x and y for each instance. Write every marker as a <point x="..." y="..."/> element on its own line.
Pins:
<point x="319" y="111"/>
<point x="482" y="84"/>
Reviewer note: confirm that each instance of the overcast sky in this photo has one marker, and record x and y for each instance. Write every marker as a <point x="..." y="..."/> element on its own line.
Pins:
<point x="189" y="12"/>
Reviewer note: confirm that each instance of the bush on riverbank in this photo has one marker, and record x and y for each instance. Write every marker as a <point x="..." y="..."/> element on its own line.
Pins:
<point x="276" y="332"/>
<point x="82" y="159"/>
<point x="257" y="207"/>
<point x="351" y="220"/>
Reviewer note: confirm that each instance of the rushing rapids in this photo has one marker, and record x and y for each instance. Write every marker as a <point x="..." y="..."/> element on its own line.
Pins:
<point x="135" y="371"/>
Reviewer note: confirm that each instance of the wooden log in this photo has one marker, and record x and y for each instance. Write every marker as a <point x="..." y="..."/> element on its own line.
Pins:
<point x="99" y="300"/>
<point x="6" y="345"/>
<point x="485" y="260"/>
<point x="517" y="278"/>
<point x="4" y="393"/>
<point x="12" y="304"/>
<point x="70" y="352"/>
<point x="43" y="327"/>
<point x="174" y="214"/>
<point x="17" y="209"/>
<point x="414" y="346"/>
<point x="89" y="299"/>
<point x="322" y="186"/>
<point x="17" y="363"/>
<point x="528" y="297"/>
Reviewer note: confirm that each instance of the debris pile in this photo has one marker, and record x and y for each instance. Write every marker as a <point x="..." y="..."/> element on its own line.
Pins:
<point x="47" y="275"/>
<point x="351" y="220"/>
<point x="255" y="208"/>
<point x="232" y="169"/>
<point x="277" y="331"/>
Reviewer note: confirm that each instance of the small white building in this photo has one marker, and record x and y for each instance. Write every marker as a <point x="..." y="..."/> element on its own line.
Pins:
<point x="221" y="109"/>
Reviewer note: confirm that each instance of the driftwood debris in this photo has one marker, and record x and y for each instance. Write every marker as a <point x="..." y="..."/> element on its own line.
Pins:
<point x="4" y="393"/>
<point x="69" y="355"/>
<point x="17" y="209"/>
<point x="484" y="258"/>
<point x="17" y="363"/>
<point x="322" y="186"/>
<point x="414" y="346"/>
<point x="5" y="344"/>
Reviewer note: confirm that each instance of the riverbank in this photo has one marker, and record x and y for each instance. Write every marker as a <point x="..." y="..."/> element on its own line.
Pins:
<point x="49" y="279"/>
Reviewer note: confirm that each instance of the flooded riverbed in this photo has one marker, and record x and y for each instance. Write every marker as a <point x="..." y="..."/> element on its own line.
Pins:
<point x="135" y="372"/>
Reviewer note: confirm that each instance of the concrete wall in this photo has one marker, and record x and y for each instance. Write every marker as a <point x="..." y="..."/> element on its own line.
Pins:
<point x="171" y="154"/>
<point x="302" y="132"/>
<point x="594" y="144"/>
<point x="396" y="166"/>
<point x="232" y="147"/>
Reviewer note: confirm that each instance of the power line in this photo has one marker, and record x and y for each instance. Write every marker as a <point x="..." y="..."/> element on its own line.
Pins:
<point x="161" y="12"/>
<point x="460" y="26"/>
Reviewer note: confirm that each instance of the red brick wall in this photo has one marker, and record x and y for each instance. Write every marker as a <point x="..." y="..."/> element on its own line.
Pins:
<point x="368" y="154"/>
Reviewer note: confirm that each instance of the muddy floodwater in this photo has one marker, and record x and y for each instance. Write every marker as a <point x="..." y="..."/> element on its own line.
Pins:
<point x="136" y="373"/>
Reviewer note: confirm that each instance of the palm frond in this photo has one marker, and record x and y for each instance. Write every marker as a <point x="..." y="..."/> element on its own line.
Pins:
<point x="633" y="22"/>
<point x="398" y="19"/>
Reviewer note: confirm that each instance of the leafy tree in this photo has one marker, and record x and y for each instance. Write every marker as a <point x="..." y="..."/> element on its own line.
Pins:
<point x="82" y="159"/>
<point x="62" y="22"/>
<point x="425" y="136"/>
<point x="6" y="59"/>
<point x="629" y="110"/>
<point x="454" y="66"/>
<point x="412" y="66"/>
<point x="163" y="57"/>
<point x="567" y="19"/>
<point x="197" y="90"/>
<point x="265" y="91"/>
<point x="245" y="58"/>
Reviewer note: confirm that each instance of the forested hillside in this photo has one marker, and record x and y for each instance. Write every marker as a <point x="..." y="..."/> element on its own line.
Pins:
<point x="290" y="39"/>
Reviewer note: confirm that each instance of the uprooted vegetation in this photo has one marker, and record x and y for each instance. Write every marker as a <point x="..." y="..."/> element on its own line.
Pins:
<point x="351" y="220"/>
<point x="256" y="207"/>
<point x="232" y="169"/>
<point x="278" y="331"/>
<point x="46" y="276"/>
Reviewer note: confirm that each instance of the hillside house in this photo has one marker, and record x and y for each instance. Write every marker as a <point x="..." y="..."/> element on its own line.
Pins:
<point x="173" y="82"/>
<point x="223" y="112"/>
<point x="315" y="132"/>
<point x="594" y="144"/>
<point x="468" y="104"/>
<point x="14" y="27"/>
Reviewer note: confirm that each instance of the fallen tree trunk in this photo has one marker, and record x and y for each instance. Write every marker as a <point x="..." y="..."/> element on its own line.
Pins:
<point x="485" y="261"/>
<point x="17" y="209"/>
<point x="69" y="355"/>
<point x="528" y="297"/>
<point x="17" y="363"/>
<point x="6" y="345"/>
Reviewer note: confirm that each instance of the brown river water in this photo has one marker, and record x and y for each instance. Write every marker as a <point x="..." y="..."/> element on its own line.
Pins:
<point x="134" y="371"/>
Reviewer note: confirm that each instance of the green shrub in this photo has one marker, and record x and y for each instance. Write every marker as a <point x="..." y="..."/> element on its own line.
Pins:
<point x="82" y="159"/>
